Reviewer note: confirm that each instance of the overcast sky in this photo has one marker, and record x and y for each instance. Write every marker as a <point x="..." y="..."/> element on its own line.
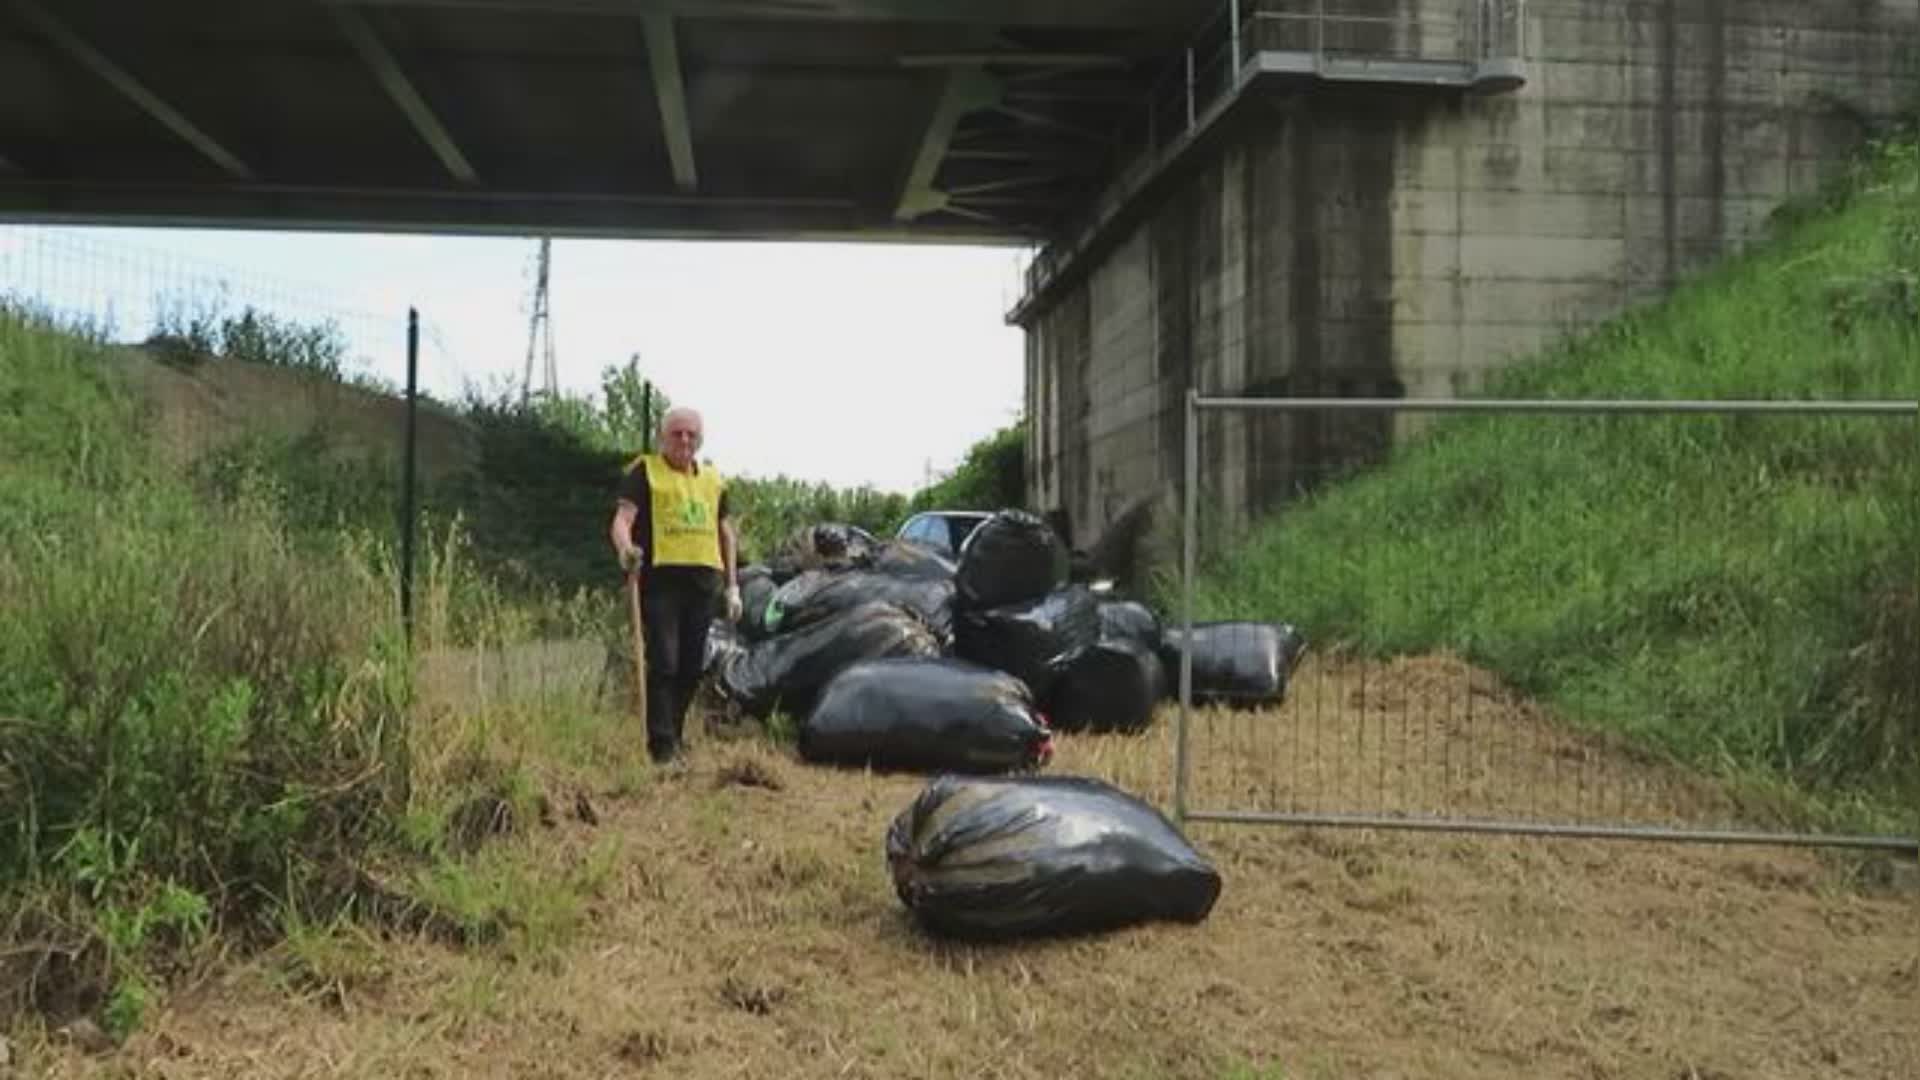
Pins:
<point x="853" y="364"/>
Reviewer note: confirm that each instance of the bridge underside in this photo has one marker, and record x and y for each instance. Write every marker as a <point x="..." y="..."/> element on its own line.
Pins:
<point x="923" y="119"/>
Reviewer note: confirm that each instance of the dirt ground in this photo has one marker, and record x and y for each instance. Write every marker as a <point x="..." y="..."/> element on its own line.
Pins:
<point x="738" y="922"/>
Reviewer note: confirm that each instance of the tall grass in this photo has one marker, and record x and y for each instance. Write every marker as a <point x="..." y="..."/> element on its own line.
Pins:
<point x="1739" y="592"/>
<point x="208" y="707"/>
<point x="191" y="704"/>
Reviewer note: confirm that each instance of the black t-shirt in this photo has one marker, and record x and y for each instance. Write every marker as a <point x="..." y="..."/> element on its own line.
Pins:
<point x="635" y="489"/>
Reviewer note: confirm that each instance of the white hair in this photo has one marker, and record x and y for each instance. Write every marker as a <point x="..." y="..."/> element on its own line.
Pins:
<point x="681" y="412"/>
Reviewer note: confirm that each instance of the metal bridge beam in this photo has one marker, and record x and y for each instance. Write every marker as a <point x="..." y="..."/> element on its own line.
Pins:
<point x="964" y="90"/>
<point x="401" y="89"/>
<point x="133" y="89"/>
<point x="670" y="90"/>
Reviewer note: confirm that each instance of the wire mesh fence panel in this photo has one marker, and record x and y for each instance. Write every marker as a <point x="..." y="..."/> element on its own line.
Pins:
<point x="287" y="402"/>
<point x="1696" y="611"/>
<point x="132" y="293"/>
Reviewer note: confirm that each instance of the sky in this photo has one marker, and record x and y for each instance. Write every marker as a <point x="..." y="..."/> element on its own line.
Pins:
<point x="853" y="364"/>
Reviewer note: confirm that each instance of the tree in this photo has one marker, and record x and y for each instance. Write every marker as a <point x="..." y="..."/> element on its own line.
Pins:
<point x="632" y="414"/>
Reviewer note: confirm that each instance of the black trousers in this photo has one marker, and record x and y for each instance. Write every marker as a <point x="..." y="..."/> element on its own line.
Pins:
<point x="677" y="606"/>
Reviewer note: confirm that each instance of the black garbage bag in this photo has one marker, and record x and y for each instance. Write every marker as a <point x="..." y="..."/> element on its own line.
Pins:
<point x="1019" y="856"/>
<point x="1129" y="620"/>
<point x="932" y="714"/>
<point x="820" y="594"/>
<point x="903" y="558"/>
<point x="1011" y="557"/>
<point x="1111" y="685"/>
<point x="756" y="588"/>
<point x="724" y="642"/>
<point x="1235" y="662"/>
<point x="788" y="670"/>
<point x="1028" y="639"/>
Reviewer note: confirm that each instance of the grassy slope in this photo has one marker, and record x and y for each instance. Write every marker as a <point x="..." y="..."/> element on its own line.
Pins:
<point x="1737" y="591"/>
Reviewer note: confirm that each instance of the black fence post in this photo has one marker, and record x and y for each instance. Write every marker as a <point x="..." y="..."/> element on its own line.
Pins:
<point x="409" y="516"/>
<point x="646" y="417"/>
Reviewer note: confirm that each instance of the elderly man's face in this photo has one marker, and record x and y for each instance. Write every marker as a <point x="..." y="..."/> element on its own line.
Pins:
<point x="680" y="440"/>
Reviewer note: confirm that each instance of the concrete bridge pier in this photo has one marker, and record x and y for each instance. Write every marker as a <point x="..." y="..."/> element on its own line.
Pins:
<point x="1397" y="200"/>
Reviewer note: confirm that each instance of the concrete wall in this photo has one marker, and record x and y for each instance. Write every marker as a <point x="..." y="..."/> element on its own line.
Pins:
<point x="1359" y="241"/>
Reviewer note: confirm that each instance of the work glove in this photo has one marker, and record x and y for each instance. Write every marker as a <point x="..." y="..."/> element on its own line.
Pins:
<point x="630" y="558"/>
<point x="734" y="606"/>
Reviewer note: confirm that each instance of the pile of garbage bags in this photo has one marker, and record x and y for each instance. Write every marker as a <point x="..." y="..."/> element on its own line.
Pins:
<point x="890" y="656"/>
<point x="991" y="651"/>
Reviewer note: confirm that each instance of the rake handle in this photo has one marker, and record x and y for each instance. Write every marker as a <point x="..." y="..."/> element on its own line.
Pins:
<point x="639" y="645"/>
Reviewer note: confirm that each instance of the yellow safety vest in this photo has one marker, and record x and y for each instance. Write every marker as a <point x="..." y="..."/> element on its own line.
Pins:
<point x="685" y="512"/>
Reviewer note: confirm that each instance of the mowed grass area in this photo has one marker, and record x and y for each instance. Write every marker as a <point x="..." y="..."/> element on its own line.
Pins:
<point x="736" y="919"/>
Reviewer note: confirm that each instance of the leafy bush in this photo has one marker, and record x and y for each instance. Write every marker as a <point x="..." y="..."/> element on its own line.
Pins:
<point x="991" y="477"/>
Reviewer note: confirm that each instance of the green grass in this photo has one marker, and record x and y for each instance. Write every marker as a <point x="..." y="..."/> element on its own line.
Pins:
<point x="193" y="701"/>
<point x="1736" y="592"/>
<point x="207" y="706"/>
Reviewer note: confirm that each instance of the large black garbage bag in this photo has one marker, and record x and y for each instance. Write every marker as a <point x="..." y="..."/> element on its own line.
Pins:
<point x="1012" y="557"/>
<point x="756" y="588"/>
<point x="820" y="594"/>
<point x="1028" y="639"/>
<point x="1129" y="620"/>
<point x="927" y="714"/>
<point x="1007" y="857"/>
<point x="902" y="558"/>
<point x="1111" y="685"/>
<point x="1235" y="662"/>
<point x="788" y="670"/>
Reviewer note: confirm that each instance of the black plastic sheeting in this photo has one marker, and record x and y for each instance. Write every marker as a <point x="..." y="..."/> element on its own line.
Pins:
<point x="1032" y="638"/>
<point x="789" y="670"/>
<point x="1236" y="662"/>
<point x="724" y="642"/>
<point x="756" y="588"/>
<point x="1129" y="620"/>
<point x="821" y="594"/>
<point x="902" y="558"/>
<point x="1027" y="856"/>
<point x="1012" y="557"/>
<point x="927" y="715"/>
<point x="1112" y="685"/>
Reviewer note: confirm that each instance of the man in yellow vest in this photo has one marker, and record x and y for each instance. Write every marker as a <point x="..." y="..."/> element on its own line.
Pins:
<point x="671" y="523"/>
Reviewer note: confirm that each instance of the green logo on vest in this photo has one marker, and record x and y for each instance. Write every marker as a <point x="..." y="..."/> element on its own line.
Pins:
<point x="693" y="514"/>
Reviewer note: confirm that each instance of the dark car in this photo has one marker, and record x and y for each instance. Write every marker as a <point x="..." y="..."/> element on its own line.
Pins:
<point x="942" y="530"/>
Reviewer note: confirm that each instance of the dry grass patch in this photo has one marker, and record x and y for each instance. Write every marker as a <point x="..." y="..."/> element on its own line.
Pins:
<point x="734" y="918"/>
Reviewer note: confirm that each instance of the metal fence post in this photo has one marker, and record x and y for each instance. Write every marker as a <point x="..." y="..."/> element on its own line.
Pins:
<point x="646" y="418"/>
<point x="1190" y="500"/>
<point x="409" y="515"/>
